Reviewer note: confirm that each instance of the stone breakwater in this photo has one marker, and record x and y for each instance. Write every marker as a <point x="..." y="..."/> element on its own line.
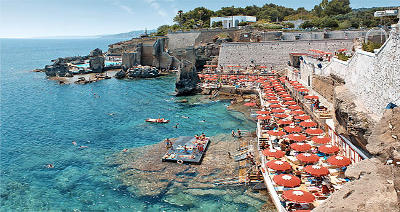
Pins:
<point x="142" y="171"/>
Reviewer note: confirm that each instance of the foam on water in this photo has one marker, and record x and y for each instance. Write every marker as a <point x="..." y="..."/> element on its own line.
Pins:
<point x="40" y="119"/>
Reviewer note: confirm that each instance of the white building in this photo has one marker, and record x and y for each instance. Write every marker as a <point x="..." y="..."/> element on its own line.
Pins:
<point x="232" y="21"/>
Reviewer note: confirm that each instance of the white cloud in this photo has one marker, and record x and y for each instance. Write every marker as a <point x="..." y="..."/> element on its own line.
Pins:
<point x="125" y="8"/>
<point x="156" y="6"/>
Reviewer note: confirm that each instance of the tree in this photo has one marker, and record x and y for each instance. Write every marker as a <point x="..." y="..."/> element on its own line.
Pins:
<point x="217" y="24"/>
<point x="337" y="7"/>
<point x="162" y="30"/>
<point x="307" y="24"/>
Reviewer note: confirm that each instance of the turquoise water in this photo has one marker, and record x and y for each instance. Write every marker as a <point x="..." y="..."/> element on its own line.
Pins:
<point x="107" y="63"/>
<point x="40" y="119"/>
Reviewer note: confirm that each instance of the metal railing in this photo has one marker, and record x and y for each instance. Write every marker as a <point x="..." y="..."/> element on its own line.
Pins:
<point x="347" y="148"/>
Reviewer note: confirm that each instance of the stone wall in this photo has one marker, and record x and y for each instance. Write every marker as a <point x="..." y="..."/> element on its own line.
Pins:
<point x="324" y="86"/>
<point x="373" y="77"/>
<point x="182" y="39"/>
<point x="273" y="53"/>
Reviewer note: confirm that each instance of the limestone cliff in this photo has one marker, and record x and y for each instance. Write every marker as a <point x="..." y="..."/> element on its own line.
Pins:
<point x="187" y="79"/>
<point x="376" y="185"/>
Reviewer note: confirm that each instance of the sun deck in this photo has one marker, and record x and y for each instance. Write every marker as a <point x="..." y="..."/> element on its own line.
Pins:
<point x="192" y="155"/>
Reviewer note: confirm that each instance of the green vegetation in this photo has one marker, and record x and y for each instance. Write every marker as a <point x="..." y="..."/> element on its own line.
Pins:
<point x="343" y="56"/>
<point x="334" y="14"/>
<point x="370" y="46"/>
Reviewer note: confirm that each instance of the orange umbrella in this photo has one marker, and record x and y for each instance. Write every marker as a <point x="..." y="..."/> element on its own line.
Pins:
<point x="276" y="132"/>
<point x="284" y="122"/>
<point x="270" y="94"/>
<point x="321" y="139"/>
<point x="250" y="104"/>
<point x="264" y="117"/>
<point x="281" y="115"/>
<point x="297" y="112"/>
<point x="298" y="196"/>
<point x="294" y="107"/>
<point x="287" y="180"/>
<point x="279" y="110"/>
<point x="300" y="147"/>
<point x="273" y="101"/>
<point x="302" y="117"/>
<point x="273" y="153"/>
<point x="307" y="158"/>
<point x="263" y="112"/>
<point x="284" y="95"/>
<point x="275" y="106"/>
<point x="289" y="103"/>
<point x="308" y="123"/>
<point x="297" y="137"/>
<point x="339" y="161"/>
<point x="272" y="98"/>
<point x="314" y="131"/>
<point x="316" y="170"/>
<point x="311" y="97"/>
<point x="288" y="99"/>
<point x="292" y="129"/>
<point x="279" y="165"/>
<point x="328" y="149"/>
<point x="303" y="90"/>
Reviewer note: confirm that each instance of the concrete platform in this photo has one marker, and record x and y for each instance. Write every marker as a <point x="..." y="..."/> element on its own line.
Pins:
<point x="177" y="152"/>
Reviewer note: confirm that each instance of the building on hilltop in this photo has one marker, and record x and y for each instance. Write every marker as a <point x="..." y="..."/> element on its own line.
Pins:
<point x="232" y="21"/>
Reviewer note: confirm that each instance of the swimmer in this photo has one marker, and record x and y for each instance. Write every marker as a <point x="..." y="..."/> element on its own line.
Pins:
<point x="50" y="166"/>
<point x="176" y="125"/>
<point x="125" y="150"/>
<point x="185" y="117"/>
<point x="111" y="114"/>
<point x="202" y="120"/>
<point x="74" y="143"/>
<point x="82" y="147"/>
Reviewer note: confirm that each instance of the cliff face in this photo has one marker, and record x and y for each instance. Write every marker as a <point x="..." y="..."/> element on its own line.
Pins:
<point x="376" y="185"/>
<point x="187" y="79"/>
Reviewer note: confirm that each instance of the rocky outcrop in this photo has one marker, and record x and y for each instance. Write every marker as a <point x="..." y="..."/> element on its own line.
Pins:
<point x="351" y="116"/>
<point x="384" y="141"/>
<point x="59" y="69"/>
<point x="96" y="64"/>
<point x="96" y="61"/>
<point x="372" y="190"/>
<point x="187" y="79"/>
<point x="138" y="72"/>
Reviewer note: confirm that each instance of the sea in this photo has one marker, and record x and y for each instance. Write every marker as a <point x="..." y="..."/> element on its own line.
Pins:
<point x="41" y="118"/>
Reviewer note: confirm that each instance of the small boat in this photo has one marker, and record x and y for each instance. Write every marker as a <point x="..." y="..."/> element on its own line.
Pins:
<point x="162" y="120"/>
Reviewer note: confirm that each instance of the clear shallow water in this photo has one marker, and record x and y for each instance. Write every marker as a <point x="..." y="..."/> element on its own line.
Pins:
<point x="40" y="119"/>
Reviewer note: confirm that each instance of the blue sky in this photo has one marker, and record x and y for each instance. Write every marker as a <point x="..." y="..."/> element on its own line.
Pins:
<point x="39" y="18"/>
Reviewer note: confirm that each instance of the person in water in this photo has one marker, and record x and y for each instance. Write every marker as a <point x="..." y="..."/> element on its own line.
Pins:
<point x="176" y="125"/>
<point x="239" y="133"/>
<point x="74" y="143"/>
<point x="233" y="133"/>
<point x="50" y="166"/>
<point x="125" y="150"/>
<point x="82" y="147"/>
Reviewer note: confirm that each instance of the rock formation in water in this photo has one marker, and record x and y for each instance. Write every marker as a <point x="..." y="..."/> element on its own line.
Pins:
<point x="187" y="79"/>
<point x="138" y="72"/>
<point x="59" y="68"/>
<point x="96" y="61"/>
